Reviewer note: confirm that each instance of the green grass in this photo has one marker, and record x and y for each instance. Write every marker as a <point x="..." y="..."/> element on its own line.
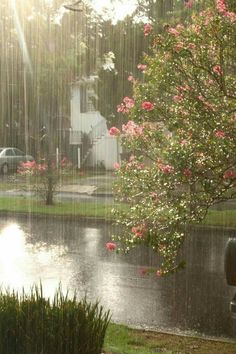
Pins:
<point x="123" y="340"/>
<point x="225" y="218"/>
<point x="26" y="205"/>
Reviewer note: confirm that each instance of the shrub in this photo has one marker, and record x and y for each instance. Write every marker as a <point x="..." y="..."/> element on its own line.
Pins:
<point x="47" y="176"/>
<point x="31" y="324"/>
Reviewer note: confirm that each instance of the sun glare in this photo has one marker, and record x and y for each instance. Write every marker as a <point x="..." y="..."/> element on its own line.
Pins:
<point x="117" y="10"/>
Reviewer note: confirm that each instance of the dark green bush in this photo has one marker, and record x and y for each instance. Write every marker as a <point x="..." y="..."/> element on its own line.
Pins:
<point x="31" y="324"/>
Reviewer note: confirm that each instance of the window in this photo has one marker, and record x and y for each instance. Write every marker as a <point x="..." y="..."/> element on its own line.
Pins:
<point x="18" y="152"/>
<point x="9" y="152"/>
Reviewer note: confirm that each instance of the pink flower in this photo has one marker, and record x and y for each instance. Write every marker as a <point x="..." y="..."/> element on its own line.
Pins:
<point x="111" y="246"/>
<point x="173" y="31"/>
<point x="129" y="102"/>
<point x="158" y="273"/>
<point x="189" y="4"/>
<point x="209" y="82"/>
<point x="114" y="131"/>
<point x="178" y="98"/>
<point x="192" y="46"/>
<point x="148" y="106"/>
<point x="221" y="7"/>
<point x="142" y="67"/>
<point x="139" y="230"/>
<point x="121" y="108"/>
<point x="130" y="78"/>
<point x="116" y="166"/>
<point x="166" y="169"/>
<point x="229" y="174"/>
<point x="180" y="27"/>
<point x="187" y="172"/>
<point x="220" y="134"/>
<point x="184" y="142"/>
<point x="126" y="105"/>
<point x="132" y="129"/>
<point x="147" y="29"/>
<point x="217" y="70"/>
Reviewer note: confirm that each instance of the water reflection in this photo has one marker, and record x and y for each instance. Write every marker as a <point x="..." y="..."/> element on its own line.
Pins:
<point x="74" y="254"/>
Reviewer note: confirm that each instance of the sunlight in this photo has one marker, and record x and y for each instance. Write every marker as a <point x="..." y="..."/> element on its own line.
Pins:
<point x="12" y="255"/>
<point x="21" y="37"/>
<point x="116" y="10"/>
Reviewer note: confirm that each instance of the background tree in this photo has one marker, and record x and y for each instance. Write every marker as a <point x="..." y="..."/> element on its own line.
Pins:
<point x="181" y="135"/>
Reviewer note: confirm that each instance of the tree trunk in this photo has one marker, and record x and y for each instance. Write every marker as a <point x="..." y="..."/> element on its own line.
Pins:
<point x="49" y="196"/>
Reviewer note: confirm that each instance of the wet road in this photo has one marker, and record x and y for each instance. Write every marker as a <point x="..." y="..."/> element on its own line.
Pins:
<point x="73" y="253"/>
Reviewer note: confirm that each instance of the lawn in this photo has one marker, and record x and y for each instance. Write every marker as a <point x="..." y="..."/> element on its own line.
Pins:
<point x="34" y="206"/>
<point x="226" y="218"/>
<point x="123" y="340"/>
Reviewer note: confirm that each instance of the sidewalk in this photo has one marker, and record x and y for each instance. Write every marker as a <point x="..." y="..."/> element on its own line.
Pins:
<point x="100" y="185"/>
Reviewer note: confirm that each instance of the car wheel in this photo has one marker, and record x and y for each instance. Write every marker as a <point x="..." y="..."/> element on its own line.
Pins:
<point x="5" y="169"/>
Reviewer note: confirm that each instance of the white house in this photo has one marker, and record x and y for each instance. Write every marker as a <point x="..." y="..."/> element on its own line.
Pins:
<point x="89" y="133"/>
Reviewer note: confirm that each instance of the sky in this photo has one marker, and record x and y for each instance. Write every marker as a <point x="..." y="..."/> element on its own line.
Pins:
<point x="117" y="9"/>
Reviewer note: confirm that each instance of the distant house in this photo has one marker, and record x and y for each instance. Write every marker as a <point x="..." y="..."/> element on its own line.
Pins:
<point x="90" y="142"/>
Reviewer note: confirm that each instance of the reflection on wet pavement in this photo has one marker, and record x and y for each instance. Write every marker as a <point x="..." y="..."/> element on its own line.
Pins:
<point x="73" y="253"/>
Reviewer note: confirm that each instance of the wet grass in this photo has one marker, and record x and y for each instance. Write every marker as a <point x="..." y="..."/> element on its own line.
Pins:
<point x="225" y="218"/>
<point x="123" y="340"/>
<point x="34" y="206"/>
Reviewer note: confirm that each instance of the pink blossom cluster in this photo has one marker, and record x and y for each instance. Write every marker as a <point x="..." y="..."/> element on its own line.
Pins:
<point x="116" y="166"/>
<point x="132" y="163"/>
<point x="173" y="31"/>
<point x="178" y="98"/>
<point x="32" y="167"/>
<point x="114" y="131"/>
<point x="221" y="7"/>
<point x="142" y="67"/>
<point x="147" y="106"/>
<point x="126" y="105"/>
<point x="220" y="134"/>
<point x="131" y="78"/>
<point x="111" y="246"/>
<point x="165" y="168"/>
<point x="229" y="174"/>
<point x="217" y="70"/>
<point x="189" y="4"/>
<point x="147" y="29"/>
<point x="183" y="88"/>
<point x="187" y="172"/>
<point x="132" y="129"/>
<point x="206" y="103"/>
<point x="139" y="230"/>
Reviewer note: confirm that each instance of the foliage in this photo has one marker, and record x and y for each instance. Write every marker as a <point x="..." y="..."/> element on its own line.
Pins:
<point x="47" y="176"/>
<point x="181" y="135"/>
<point x="32" y="324"/>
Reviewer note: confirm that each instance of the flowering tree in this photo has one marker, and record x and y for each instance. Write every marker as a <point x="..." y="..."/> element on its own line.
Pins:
<point x="181" y="135"/>
<point x="46" y="176"/>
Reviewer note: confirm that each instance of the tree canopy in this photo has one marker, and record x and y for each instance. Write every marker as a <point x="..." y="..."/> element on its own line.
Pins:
<point x="181" y="135"/>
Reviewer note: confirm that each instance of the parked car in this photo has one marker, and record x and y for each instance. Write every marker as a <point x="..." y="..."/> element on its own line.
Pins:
<point x="10" y="158"/>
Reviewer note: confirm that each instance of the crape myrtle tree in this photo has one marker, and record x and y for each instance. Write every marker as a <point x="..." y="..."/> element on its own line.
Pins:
<point x="181" y="135"/>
